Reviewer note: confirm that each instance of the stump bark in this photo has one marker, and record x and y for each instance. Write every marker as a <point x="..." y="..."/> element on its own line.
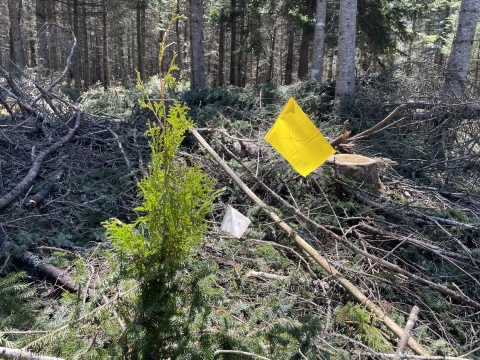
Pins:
<point x="360" y="169"/>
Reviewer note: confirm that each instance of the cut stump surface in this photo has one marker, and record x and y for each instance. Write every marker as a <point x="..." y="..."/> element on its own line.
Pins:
<point x="358" y="168"/>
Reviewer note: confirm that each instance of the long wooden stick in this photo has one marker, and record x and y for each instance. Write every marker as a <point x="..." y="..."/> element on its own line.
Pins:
<point x="412" y="319"/>
<point x="320" y="260"/>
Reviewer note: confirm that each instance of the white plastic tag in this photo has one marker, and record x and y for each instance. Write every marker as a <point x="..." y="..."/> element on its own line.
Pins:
<point x="234" y="222"/>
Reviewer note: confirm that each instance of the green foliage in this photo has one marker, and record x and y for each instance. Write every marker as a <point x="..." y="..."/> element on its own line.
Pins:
<point x="364" y="324"/>
<point x="17" y="304"/>
<point x="154" y="248"/>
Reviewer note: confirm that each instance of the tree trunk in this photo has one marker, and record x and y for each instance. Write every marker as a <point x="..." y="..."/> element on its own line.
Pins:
<point x="141" y="48"/>
<point x="221" y="50"/>
<point x="179" y="43"/>
<point x="106" y="65"/>
<point x="14" y="15"/>
<point x="318" y="41"/>
<point x="52" y="17"/>
<point x="241" y="53"/>
<point x="271" y="61"/>
<point x="345" y="82"/>
<point x="86" y="60"/>
<point x="196" y="41"/>
<point x="233" y="40"/>
<point x="76" y="55"/>
<point x="459" y="59"/>
<point x="305" y="43"/>
<point x="289" y="62"/>
<point x="41" y="18"/>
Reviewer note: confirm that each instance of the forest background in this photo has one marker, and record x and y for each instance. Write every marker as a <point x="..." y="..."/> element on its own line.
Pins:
<point x="94" y="145"/>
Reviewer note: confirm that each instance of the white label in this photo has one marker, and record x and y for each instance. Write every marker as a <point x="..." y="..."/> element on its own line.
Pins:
<point x="234" y="222"/>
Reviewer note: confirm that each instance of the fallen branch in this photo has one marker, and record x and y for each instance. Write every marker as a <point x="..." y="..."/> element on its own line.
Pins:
<point x="27" y="181"/>
<point x="264" y="275"/>
<point x="55" y="275"/>
<point x="320" y="260"/>
<point x="412" y="319"/>
<point x="21" y="354"/>
<point x="377" y="127"/>
<point x="238" y="352"/>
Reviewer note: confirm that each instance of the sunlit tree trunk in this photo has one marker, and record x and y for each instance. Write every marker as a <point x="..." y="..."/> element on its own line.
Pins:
<point x="16" y="35"/>
<point x="196" y="43"/>
<point x="459" y="59"/>
<point x="318" y="41"/>
<point x="345" y="80"/>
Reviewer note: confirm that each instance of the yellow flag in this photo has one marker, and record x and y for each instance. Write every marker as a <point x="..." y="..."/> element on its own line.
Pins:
<point x="297" y="139"/>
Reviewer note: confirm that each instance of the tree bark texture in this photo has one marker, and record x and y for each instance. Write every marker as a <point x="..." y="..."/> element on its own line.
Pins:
<point x="17" y="42"/>
<point x="141" y="48"/>
<point x="459" y="59"/>
<point x="233" y="40"/>
<point x="76" y="55"/>
<point x="289" y="62"/>
<point x="106" y="64"/>
<point x="345" y="82"/>
<point x="221" y="50"/>
<point x="305" y="43"/>
<point x="196" y="41"/>
<point x="41" y="18"/>
<point x="86" y="56"/>
<point x="318" y="41"/>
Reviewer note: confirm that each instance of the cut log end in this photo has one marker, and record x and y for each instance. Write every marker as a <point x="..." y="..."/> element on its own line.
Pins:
<point x="361" y="169"/>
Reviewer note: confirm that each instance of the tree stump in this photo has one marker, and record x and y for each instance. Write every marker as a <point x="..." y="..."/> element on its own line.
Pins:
<point x="360" y="169"/>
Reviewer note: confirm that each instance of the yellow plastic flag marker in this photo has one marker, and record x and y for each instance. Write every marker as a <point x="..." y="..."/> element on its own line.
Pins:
<point x="297" y="139"/>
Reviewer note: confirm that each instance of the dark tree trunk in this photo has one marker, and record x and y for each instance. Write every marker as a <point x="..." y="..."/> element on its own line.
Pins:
<point x="76" y="55"/>
<point x="141" y="48"/>
<point x="14" y="11"/>
<point x="289" y="62"/>
<point x="221" y="50"/>
<point x="305" y="43"/>
<point x="272" y="55"/>
<point x="52" y="17"/>
<point x="233" y="40"/>
<point x="196" y="41"/>
<point x="41" y="18"/>
<point x="106" y="65"/>
<point x="86" y="60"/>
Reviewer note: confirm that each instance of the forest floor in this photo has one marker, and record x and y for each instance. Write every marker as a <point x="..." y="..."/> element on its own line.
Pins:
<point x="279" y="303"/>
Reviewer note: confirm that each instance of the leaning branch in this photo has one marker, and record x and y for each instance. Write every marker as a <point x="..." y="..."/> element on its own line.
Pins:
<point x="320" y="260"/>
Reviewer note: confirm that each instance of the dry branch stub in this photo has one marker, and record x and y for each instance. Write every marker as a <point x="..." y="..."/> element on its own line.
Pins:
<point x="361" y="169"/>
